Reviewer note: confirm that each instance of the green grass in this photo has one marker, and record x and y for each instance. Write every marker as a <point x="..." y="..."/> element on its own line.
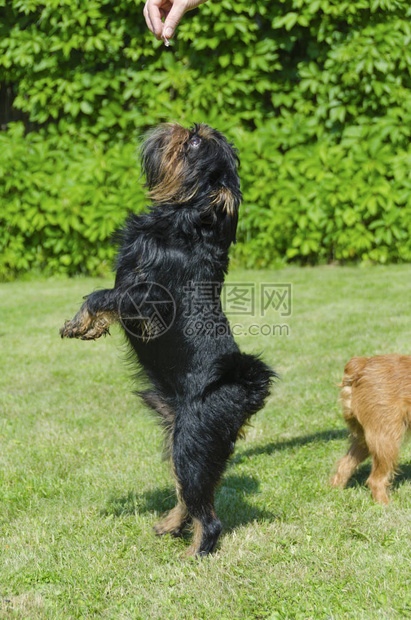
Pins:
<point x="82" y="480"/>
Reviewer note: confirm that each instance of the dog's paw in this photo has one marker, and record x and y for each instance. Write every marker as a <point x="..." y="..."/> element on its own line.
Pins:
<point x="86" y="326"/>
<point x="378" y="491"/>
<point x="160" y="529"/>
<point x="174" y="523"/>
<point x="71" y="329"/>
<point x="337" y="481"/>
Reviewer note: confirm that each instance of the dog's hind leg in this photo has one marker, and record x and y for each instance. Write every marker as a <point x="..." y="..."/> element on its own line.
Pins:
<point x="207" y="530"/>
<point x="384" y="443"/>
<point x="199" y="456"/>
<point x="94" y="318"/>
<point x="358" y="450"/>
<point x="356" y="454"/>
<point x="205" y="434"/>
<point x="176" y="520"/>
<point x="379" y="479"/>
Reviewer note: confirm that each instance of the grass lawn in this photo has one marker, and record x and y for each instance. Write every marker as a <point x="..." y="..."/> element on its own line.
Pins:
<point x="82" y="481"/>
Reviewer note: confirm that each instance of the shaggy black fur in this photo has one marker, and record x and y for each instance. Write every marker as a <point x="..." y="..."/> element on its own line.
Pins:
<point x="170" y="270"/>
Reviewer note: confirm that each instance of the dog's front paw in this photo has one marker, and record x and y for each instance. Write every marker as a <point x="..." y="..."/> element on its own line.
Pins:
<point x="86" y="326"/>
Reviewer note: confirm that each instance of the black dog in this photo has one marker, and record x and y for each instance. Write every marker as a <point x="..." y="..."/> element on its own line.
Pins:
<point x="170" y="271"/>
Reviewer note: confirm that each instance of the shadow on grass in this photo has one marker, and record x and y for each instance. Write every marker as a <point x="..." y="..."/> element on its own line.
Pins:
<point x="231" y="502"/>
<point x="361" y="475"/>
<point x="278" y="446"/>
<point x="231" y="499"/>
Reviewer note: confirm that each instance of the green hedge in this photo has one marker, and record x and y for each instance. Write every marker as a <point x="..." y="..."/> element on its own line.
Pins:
<point x="315" y="93"/>
<point x="326" y="202"/>
<point x="61" y="200"/>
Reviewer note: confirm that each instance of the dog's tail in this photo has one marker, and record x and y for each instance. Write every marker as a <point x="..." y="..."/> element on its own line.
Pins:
<point x="352" y="375"/>
<point x="248" y="373"/>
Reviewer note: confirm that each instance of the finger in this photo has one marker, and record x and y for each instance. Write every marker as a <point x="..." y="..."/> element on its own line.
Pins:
<point x="148" y="21"/>
<point x="193" y="4"/>
<point x="173" y="19"/>
<point x="154" y="15"/>
<point x="147" y="18"/>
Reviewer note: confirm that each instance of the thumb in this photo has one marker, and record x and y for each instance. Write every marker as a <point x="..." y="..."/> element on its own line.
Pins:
<point x="173" y="19"/>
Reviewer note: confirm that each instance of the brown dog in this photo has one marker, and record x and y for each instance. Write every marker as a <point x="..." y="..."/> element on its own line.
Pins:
<point x="376" y="399"/>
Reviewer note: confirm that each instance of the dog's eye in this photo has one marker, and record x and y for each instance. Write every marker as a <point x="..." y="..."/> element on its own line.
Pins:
<point x="195" y="142"/>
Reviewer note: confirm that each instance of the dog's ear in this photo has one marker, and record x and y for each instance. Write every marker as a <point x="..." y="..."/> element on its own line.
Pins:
<point x="227" y="202"/>
<point x="164" y="166"/>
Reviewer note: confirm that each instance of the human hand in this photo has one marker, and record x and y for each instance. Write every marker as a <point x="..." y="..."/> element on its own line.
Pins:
<point x="171" y="11"/>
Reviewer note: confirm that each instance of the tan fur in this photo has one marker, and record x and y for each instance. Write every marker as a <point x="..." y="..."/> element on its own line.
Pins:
<point x="88" y="326"/>
<point x="376" y="401"/>
<point x="174" y="522"/>
<point x="197" y="536"/>
<point x="226" y="199"/>
<point x="206" y="132"/>
<point x="172" y="171"/>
